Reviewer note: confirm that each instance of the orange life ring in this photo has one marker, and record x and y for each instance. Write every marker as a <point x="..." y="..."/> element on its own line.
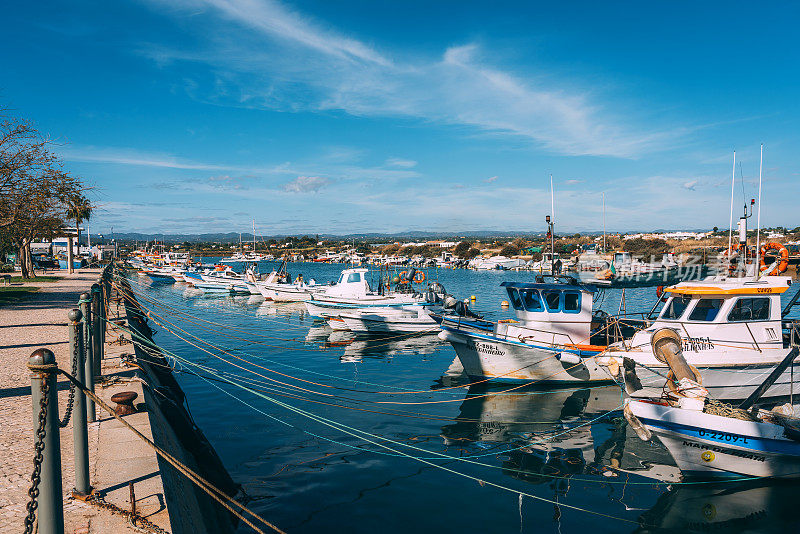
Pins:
<point x="403" y="274"/>
<point x="783" y="264"/>
<point x="419" y="277"/>
<point x="734" y="249"/>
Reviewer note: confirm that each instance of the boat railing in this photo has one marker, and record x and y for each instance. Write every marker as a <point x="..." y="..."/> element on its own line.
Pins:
<point x="794" y="334"/>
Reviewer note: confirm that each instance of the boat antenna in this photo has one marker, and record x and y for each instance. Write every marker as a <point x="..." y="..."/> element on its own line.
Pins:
<point x="757" y="264"/>
<point x="551" y="221"/>
<point x="604" y="220"/>
<point x="730" y="227"/>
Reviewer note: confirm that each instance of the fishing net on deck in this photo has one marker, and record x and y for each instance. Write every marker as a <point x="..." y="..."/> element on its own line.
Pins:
<point x="715" y="407"/>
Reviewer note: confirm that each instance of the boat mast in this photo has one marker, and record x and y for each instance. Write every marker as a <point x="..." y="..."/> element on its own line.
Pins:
<point x="730" y="225"/>
<point x="757" y="264"/>
<point x="551" y="221"/>
<point x="604" y="222"/>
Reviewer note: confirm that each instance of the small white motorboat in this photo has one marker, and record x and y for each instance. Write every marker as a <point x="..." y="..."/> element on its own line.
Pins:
<point x="352" y="291"/>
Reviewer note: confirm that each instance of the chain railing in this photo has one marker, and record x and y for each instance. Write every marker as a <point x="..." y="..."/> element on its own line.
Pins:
<point x="38" y="457"/>
<point x="45" y="513"/>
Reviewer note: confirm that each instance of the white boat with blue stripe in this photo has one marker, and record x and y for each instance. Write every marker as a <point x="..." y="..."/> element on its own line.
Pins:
<point x="554" y="339"/>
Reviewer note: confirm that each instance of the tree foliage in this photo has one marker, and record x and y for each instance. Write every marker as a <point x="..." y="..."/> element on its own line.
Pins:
<point x="35" y="192"/>
<point x="646" y="247"/>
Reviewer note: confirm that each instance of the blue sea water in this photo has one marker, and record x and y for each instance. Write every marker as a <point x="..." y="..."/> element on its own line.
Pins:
<point x="328" y="433"/>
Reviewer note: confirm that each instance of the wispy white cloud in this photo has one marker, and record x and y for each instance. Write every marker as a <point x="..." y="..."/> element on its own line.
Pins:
<point x="306" y="184"/>
<point x="263" y="54"/>
<point x="129" y="156"/>
<point x="400" y="162"/>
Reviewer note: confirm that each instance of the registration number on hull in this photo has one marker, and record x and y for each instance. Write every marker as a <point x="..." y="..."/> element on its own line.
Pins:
<point x="486" y="348"/>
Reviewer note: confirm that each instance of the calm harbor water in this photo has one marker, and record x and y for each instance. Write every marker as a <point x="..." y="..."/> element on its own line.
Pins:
<point x="328" y="433"/>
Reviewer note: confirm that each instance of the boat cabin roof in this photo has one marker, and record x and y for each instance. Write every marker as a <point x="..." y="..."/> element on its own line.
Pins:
<point x="732" y="286"/>
<point x="549" y="286"/>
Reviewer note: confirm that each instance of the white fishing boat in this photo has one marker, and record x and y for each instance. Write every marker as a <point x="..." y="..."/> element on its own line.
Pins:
<point x="708" y="438"/>
<point x="709" y="446"/>
<point x="545" y="265"/>
<point x="731" y="329"/>
<point x="554" y="339"/>
<point x="352" y="290"/>
<point x="279" y="287"/>
<point x="497" y="263"/>
<point x="732" y="326"/>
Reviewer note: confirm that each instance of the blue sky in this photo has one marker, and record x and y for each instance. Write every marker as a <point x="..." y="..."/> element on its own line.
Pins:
<point x="193" y="116"/>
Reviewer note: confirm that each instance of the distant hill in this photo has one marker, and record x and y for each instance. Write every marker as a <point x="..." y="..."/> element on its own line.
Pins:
<point x="233" y="237"/>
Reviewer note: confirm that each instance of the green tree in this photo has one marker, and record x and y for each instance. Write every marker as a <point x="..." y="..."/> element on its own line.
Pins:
<point x="462" y="248"/>
<point x="79" y="209"/>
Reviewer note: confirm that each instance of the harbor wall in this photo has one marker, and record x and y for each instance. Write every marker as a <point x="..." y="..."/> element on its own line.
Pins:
<point x="191" y="509"/>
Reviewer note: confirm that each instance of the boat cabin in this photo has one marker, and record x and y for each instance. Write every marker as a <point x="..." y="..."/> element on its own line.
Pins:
<point x="745" y="313"/>
<point x="352" y="283"/>
<point x="558" y="312"/>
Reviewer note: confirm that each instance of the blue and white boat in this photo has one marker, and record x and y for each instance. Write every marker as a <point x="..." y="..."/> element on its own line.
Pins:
<point x="711" y="446"/>
<point x="554" y="338"/>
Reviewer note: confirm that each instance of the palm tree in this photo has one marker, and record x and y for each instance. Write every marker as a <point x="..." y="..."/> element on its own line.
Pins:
<point x="79" y="210"/>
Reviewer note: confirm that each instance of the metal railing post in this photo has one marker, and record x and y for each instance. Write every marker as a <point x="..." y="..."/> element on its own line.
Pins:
<point x="44" y="395"/>
<point x="80" y="433"/>
<point x="97" y="338"/>
<point x="88" y="362"/>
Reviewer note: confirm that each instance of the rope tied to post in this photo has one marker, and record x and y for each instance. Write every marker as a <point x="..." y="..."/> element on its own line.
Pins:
<point x="215" y="493"/>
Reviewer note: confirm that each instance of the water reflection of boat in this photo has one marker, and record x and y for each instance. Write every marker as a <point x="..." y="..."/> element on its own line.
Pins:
<point x="282" y="309"/>
<point x="557" y="433"/>
<point x="382" y="347"/>
<point x="749" y="506"/>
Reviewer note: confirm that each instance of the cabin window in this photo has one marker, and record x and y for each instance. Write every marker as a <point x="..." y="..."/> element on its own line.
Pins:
<point x="750" y="309"/>
<point x="551" y="299"/>
<point x="531" y="300"/>
<point x="353" y="277"/>
<point x="706" y="310"/>
<point x="572" y="301"/>
<point x="675" y="308"/>
<point x="515" y="300"/>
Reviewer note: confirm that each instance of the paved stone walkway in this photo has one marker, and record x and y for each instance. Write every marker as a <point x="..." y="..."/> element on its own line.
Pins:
<point x="41" y="321"/>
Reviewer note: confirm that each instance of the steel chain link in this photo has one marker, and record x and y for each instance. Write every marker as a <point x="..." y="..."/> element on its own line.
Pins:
<point x="38" y="457"/>
<point x="71" y="398"/>
<point x="135" y="519"/>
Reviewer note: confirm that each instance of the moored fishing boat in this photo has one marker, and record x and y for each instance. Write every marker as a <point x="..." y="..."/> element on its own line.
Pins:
<point x="708" y="438"/>
<point x="554" y="339"/>
<point x="352" y="290"/>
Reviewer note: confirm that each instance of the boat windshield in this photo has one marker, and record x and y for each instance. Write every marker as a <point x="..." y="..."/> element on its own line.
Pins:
<point x="675" y="307"/>
<point x="531" y="300"/>
<point x="706" y="310"/>
<point x="750" y="309"/>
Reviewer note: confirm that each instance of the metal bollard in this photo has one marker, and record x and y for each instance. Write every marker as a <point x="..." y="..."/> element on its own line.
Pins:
<point x="44" y="395"/>
<point x="80" y="435"/>
<point x="97" y="339"/>
<point x="88" y="362"/>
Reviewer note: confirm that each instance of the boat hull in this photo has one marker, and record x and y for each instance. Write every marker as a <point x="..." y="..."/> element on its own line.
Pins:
<point x="712" y="446"/>
<point x="484" y="355"/>
<point x="729" y="382"/>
